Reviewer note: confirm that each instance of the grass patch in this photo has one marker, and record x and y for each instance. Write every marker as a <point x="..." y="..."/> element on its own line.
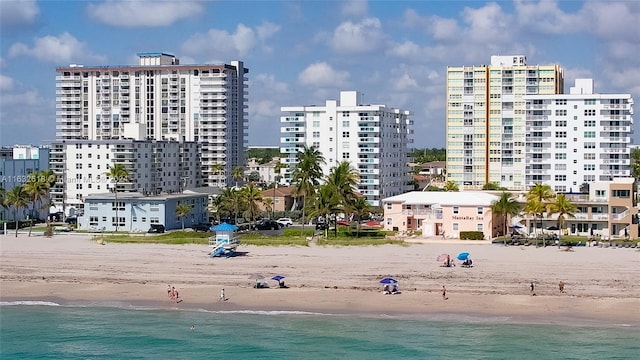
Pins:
<point x="361" y="241"/>
<point x="255" y="238"/>
<point x="173" y="238"/>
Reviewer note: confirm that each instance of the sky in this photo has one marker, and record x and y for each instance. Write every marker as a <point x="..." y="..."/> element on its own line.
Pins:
<point x="306" y="52"/>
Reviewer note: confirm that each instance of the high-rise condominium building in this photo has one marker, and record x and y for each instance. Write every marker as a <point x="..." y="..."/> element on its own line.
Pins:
<point x="373" y="138"/>
<point x="486" y="119"/>
<point x="154" y="167"/>
<point x="159" y="99"/>
<point x="578" y="138"/>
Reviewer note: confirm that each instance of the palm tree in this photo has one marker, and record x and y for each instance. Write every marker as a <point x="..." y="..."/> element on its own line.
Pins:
<point x="307" y="174"/>
<point x="252" y="196"/>
<point x="215" y="206"/>
<point x="268" y="205"/>
<point x="183" y="210"/>
<point x="218" y="169"/>
<point x="360" y="208"/>
<point x="276" y="169"/>
<point x="326" y="203"/>
<point x="231" y="201"/>
<point x="237" y="174"/>
<point x="37" y="188"/>
<point x="563" y="207"/>
<point x="505" y="206"/>
<point x="451" y="186"/>
<point x="3" y="198"/>
<point x="537" y="197"/>
<point x="344" y="179"/>
<point x="17" y="198"/>
<point x="117" y="173"/>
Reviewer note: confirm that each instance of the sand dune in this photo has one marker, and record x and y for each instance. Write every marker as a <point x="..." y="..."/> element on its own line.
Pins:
<point x="601" y="284"/>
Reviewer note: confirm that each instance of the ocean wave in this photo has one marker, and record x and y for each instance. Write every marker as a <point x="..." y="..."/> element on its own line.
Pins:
<point x="268" y="312"/>
<point x="28" y="302"/>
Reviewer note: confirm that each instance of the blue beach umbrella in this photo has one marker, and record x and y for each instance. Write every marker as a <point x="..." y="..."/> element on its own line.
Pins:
<point x="388" y="281"/>
<point x="463" y="256"/>
<point x="277" y="277"/>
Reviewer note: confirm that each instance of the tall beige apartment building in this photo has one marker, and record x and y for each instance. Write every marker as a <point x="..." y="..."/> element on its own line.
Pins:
<point x="485" y="119"/>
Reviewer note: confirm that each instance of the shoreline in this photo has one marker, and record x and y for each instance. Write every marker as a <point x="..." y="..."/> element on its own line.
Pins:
<point x="601" y="284"/>
<point x="566" y="320"/>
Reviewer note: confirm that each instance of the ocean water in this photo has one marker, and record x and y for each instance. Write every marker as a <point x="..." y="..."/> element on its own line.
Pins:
<point x="33" y="330"/>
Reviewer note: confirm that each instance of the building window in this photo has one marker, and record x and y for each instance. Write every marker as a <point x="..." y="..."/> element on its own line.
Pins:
<point x="455" y="226"/>
<point x="316" y="134"/>
<point x="93" y="221"/>
<point x="345" y="123"/>
<point x="345" y="134"/>
<point x="479" y="227"/>
<point x="316" y="123"/>
<point x="154" y="220"/>
<point x="120" y="222"/>
<point x="388" y="206"/>
<point x="620" y="193"/>
<point x="456" y="209"/>
<point x="480" y="210"/>
<point x="345" y="155"/>
<point x="389" y="221"/>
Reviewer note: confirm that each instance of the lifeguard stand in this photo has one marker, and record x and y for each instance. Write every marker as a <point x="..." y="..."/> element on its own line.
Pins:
<point x="225" y="241"/>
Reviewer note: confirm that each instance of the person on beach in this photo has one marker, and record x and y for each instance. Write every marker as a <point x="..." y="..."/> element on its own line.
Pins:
<point x="173" y="292"/>
<point x="533" y="289"/>
<point x="193" y="327"/>
<point x="444" y="293"/>
<point x="177" y="296"/>
<point x="222" y="297"/>
<point x="443" y="235"/>
<point x="169" y="291"/>
<point x="561" y="286"/>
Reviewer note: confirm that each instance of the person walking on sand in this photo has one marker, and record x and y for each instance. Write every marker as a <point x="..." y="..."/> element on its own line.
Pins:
<point x="444" y="293"/>
<point x="222" y="297"/>
<point x="561" y="286"/>
<point x="169" y="291"/>
<point x="533" y="289"/>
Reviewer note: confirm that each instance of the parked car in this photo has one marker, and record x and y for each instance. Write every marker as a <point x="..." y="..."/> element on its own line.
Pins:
<point x="156" y="229"/>
<point x="343" y="223"/>
<point x="267" y="224"/>
<point x="285" y="222"/>
<point x="204" y="227"/>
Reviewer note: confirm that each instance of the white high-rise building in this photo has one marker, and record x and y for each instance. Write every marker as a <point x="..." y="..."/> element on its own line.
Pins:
<point x="485" y="119"/>
<point x="579" y="137"/>
<point x="373" y="138"/>
<point x="154" y="167"/>
<point x="159" y="99"/>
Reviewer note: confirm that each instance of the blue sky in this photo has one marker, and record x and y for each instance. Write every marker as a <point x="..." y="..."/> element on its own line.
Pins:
<point x="305" y="52"/>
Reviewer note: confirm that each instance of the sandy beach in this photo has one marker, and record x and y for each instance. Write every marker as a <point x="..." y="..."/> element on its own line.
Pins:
<point x="601" y="284"/>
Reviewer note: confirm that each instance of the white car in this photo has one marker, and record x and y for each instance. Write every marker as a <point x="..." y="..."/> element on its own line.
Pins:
<point x="285" y="222"/>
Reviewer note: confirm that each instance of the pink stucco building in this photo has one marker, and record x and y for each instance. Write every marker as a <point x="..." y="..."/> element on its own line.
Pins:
<point x="436" y="213"/>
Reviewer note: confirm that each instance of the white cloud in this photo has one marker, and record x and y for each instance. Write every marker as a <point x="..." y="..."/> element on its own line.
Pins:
<point x="6" y="83"/>
<point x="268" y="82"/>
<point x="488" y="24"/>
<point x="18" y="13"/>
<point x="143" y="13"/>
<point x="354" y="8"/>
<point x="56" y="49"/>
<point x="546" y="17"/>
<point x="222" y="44"/>
<point x="405" y="83"/>
<point x="362" y="37"/>
<point x="323" y="75"/>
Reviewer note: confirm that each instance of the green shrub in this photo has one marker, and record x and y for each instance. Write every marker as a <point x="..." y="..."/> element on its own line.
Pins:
<point x="471" y="235"/>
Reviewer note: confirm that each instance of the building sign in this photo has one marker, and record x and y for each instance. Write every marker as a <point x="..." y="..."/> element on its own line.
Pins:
<point x="455" y="217"/>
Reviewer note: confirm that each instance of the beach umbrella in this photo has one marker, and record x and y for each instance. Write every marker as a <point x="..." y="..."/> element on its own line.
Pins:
<point x="256" y="276"/>
<point x="277" y="277"/>
<point x="388" y="280"/>
<point x="463" y="256"/>
<point x="442" y="257"/>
